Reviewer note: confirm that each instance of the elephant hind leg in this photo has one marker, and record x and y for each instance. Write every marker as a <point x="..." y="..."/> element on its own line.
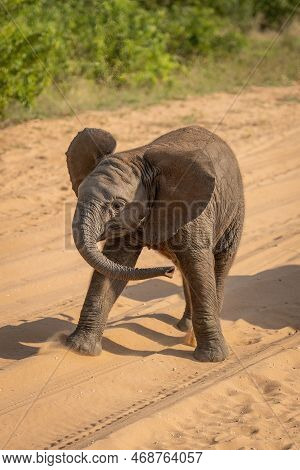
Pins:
<point x="223" y="263"/>
<point x="185" y="323"/>
<point x="224" y="255"/>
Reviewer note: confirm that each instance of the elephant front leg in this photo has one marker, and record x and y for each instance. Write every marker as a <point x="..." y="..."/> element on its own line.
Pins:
<point x="199" y="272"/>
<point x="101" y="295"/>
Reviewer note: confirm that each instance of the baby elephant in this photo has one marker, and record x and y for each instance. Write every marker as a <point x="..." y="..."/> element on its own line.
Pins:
<point x="182" y="195"/>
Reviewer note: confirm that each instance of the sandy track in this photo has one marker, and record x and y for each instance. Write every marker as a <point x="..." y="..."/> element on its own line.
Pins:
<point x="145" y="391"/>
<point x="184" y="386"/>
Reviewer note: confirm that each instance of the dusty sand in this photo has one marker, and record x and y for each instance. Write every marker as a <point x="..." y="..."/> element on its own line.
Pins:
<point x="145" y="391"/>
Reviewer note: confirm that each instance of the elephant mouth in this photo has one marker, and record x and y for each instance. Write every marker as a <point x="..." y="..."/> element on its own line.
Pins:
<point x="113" y="229"/>
<point x="116" y="229"/>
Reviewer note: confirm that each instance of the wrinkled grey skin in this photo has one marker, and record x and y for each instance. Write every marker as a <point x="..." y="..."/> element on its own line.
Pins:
<point x="183" y="166"/>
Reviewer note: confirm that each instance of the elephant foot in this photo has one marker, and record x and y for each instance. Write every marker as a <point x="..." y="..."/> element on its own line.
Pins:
<point x="213" y="352"/>
<point x="184" y="324"/>
<point x="84" y="343"/>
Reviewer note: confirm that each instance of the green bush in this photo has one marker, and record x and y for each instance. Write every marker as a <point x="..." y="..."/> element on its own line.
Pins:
<point x="273" y="13"/>
<point x="119" y="42"/>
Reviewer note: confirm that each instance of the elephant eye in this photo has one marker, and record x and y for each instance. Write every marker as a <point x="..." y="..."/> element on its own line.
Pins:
<point x="118" y="204"/>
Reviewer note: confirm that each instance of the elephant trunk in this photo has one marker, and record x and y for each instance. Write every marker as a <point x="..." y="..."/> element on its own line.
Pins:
<point x="87" y="230"/>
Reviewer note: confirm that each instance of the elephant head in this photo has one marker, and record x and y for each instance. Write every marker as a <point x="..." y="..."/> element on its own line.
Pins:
<point x="121" y="194"/>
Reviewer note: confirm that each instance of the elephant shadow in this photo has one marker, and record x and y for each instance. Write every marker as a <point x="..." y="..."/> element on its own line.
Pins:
<point x="151" y="289"/>
<point x="269" y="299"/>
<point x="37" y="331"/>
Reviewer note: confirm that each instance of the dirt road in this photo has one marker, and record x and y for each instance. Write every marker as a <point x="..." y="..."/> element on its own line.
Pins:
<point x="145" y="391"/>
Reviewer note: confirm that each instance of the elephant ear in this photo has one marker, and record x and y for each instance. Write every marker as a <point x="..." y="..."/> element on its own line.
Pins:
<point x="85" y="151"/>
<point x="186" y="181"/>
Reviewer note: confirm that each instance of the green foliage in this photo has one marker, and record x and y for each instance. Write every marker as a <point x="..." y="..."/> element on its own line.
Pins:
<point x="133" y="43"/>
<point x="30" y="51"/>
<point x="273" y="13"/>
